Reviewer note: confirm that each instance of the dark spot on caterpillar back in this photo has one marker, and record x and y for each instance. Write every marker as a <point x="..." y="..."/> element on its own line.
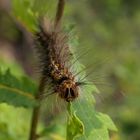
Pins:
<point x="62" y="79"/>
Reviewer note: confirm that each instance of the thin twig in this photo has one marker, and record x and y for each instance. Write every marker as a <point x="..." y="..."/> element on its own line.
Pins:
<point x="36" y="111"/>
<point x="59" y="13"/>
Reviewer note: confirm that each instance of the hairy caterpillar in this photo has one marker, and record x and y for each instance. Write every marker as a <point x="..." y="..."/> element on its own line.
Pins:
<point x="54" y="54"/>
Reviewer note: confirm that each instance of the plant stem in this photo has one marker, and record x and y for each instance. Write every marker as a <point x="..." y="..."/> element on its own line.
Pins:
<point x="36" y="111"/>
<point x="59" y="12"/>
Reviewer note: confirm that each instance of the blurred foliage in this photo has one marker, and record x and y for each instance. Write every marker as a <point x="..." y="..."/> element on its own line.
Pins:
<point x="18" y="118"/>
<point x="111" y="29"/>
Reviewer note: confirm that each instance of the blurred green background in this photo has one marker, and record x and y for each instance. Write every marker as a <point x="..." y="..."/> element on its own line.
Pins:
<point x="110" y="29"/>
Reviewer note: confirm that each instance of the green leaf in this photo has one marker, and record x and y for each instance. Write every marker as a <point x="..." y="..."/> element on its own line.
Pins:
<point x="99" y="134"/>
<point x="106" y="120"/>
<point x="17" y="92"/>
<point x="96" y="124"/>
<point x="105" y="124"/>
<point x="75" y="127"/>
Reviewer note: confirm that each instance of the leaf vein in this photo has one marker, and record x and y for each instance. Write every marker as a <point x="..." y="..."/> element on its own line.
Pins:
<point x="27" y="94"/>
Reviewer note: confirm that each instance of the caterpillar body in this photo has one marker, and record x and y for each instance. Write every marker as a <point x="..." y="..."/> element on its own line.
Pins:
<point x="54" y="57"/>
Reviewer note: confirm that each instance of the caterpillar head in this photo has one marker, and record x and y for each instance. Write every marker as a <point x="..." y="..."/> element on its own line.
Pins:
<point x="68" y="90"/>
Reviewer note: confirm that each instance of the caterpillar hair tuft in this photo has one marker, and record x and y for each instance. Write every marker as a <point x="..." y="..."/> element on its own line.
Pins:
<point x="54" y="54"/>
